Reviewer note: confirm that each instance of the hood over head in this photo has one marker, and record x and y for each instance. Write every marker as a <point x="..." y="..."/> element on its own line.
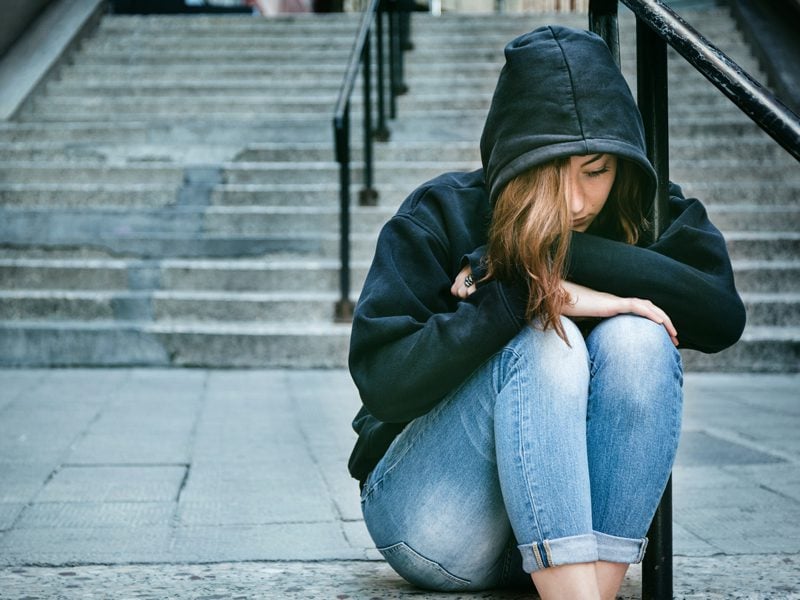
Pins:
<point x="559" y="94"/>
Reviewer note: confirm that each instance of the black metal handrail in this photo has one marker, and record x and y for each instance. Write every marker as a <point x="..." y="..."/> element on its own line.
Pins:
<point x="656" y="26"/>
<point x="361" y="58"/>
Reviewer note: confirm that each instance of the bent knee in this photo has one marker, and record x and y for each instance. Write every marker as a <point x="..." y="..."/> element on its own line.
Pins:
<point x="634" y="341"/>
<point x="549" y="359"/>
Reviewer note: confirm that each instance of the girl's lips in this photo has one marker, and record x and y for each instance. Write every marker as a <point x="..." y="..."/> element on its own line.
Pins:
<point x="579" y="223"/>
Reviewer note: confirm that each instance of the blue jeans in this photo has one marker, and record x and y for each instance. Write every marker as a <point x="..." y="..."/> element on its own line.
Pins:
<point x="548" y="454"/>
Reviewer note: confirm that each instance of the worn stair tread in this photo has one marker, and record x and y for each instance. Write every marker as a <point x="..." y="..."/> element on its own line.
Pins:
<point x="753" y="333"/>
<point x="109" y="110"/>
<point x="250" y="328"/>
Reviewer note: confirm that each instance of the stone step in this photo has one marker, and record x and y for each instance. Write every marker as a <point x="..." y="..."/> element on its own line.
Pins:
<point x="734" y="199"/>
<point x="762" y="348"/>
<point x="774" y="245"/>
<point x="715" y="120"/>
<point x="291" y="275"/>
<point x="422" y="24"/>
<point x="743" y="193"/>
<point x="455" y="127"/>
<point x="767" y="276"/>
<point x="241" y="80"/>
<point x="70" y="224"/>
<point x="753" y="217"/>
<point x="87" y="194"/>
<point x="163" y="305"/>
<point x="774" y="310"/>
<point x="300" y="52"/>
<point x="406" y="172"/>
<point x="334" y="56"/>
<point x="417" y="72"/>
<point x="234" y="49"/>
<point x="171" y="305"/>
<point x="159" y="83"/>
<point x="738" y="196"/>
<point x="142" y="25"/>
<point x="277" y="102"/>
<point x="30" y="172"/>
<point x="297" y="345"/>
<point x="754" y="148"/>
<point x="257" y="275"/>
<point x="160" y="305"/>
<point x="190" y="131"/>
<point x="271" y="220"/>
<point x="202" y="344"/>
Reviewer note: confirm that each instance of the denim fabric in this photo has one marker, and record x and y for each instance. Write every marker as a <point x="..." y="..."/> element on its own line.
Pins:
<point x="548" y="454"/>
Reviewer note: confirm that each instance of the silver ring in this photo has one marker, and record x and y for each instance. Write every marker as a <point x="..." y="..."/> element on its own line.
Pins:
<point x="468" y="280"/>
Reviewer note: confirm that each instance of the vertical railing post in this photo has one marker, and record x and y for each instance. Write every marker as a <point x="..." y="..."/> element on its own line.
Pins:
<point x="381" y="131"/>
<point x="344" y="306"/>
<point x="394" y="49"/>
<point x="651" y="74"/>
<point x="651" y="77"/>
<point x="603" y="22"/>
<point x="367" y="196"/>
<point x="403" y="43"/>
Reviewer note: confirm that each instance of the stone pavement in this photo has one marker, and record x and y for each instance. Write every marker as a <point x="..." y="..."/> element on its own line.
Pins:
<point x="176" y="483"/>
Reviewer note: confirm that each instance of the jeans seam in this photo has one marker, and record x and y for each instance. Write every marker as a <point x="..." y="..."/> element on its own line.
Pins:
<point x="528" y="485"/>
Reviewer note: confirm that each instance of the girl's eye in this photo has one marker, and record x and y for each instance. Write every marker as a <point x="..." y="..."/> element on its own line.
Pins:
<point x="598" y="172"/>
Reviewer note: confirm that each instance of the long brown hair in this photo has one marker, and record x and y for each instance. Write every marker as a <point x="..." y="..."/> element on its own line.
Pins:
<point x="530" y="231"/>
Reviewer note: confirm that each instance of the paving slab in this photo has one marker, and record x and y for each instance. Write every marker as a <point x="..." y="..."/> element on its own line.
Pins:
<point x="155" y="472"/>
<point x="717" y="578"/>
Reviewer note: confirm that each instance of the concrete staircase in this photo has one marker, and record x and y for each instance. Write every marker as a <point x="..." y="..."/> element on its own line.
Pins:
<point x="169" y="198"/>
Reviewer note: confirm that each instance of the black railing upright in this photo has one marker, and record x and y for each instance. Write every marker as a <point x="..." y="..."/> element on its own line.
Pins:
<point x="656" y="26"/>
<point x="361" y="59"/>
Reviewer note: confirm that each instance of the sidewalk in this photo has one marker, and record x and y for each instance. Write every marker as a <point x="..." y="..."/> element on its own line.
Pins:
<point x="233" y="484"/>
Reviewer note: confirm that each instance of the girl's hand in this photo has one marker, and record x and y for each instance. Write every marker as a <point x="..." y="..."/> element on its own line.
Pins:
<point x="460" y="289"/>
<point x="586" y="302"/>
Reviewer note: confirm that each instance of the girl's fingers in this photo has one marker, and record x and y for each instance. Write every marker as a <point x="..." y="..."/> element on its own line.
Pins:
<point x="647" y="309"/>
<point x="459" y="287"/>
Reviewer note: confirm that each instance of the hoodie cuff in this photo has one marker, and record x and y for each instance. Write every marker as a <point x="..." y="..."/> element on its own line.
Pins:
<point x="516" y="300"/>
<point x="476" y="263"/>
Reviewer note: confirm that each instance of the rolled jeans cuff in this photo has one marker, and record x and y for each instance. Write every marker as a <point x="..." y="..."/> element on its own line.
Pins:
<point x="618" y="549"/>
<point x="561" y="551"/>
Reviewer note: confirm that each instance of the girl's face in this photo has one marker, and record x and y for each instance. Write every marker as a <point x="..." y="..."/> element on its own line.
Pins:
<point x="590" y="179"/>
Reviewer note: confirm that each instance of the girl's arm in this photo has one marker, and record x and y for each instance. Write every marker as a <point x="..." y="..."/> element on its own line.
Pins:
<point x="412" y="342"/>
<point x="586" y="302"/>
<point x="687" y="273"/>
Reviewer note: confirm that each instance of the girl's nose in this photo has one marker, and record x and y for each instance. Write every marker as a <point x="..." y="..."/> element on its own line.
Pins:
<point x="576" y="200"/>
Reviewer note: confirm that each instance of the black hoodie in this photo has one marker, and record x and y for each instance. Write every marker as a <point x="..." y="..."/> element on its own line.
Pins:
<point x="559" y="94"/>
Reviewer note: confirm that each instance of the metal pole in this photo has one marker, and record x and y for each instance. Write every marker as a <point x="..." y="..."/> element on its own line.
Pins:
<point x="657" y="567"/>
<point x="394" y="48"/>
<point x="344" y="307"/>
<point x="367" y="196"/>
<point x="603" y="22"/>
<point x="382" y="132"/>
<point x="651" y="74"/>
<point x="403" y="18"/>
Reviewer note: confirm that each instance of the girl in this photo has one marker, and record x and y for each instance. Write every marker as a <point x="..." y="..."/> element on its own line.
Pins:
<point x="515" y="343"/>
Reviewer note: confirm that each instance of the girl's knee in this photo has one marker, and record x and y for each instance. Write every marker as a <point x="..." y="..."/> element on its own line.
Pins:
<point x="545" y="367"/>
<point x="546" y="349"/>
<point x="634" y="362"/>
<point x="632" y="343"/>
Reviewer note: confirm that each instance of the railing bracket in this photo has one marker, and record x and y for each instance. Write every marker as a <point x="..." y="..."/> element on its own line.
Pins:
<point x="344" y="311"/>
<point x="382" y="135"/>
<point x="368" y="197"/>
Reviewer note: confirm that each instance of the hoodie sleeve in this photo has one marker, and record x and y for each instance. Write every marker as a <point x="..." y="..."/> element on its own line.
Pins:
<point x="412" y="342"/>
<point x="687" y="273"/>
